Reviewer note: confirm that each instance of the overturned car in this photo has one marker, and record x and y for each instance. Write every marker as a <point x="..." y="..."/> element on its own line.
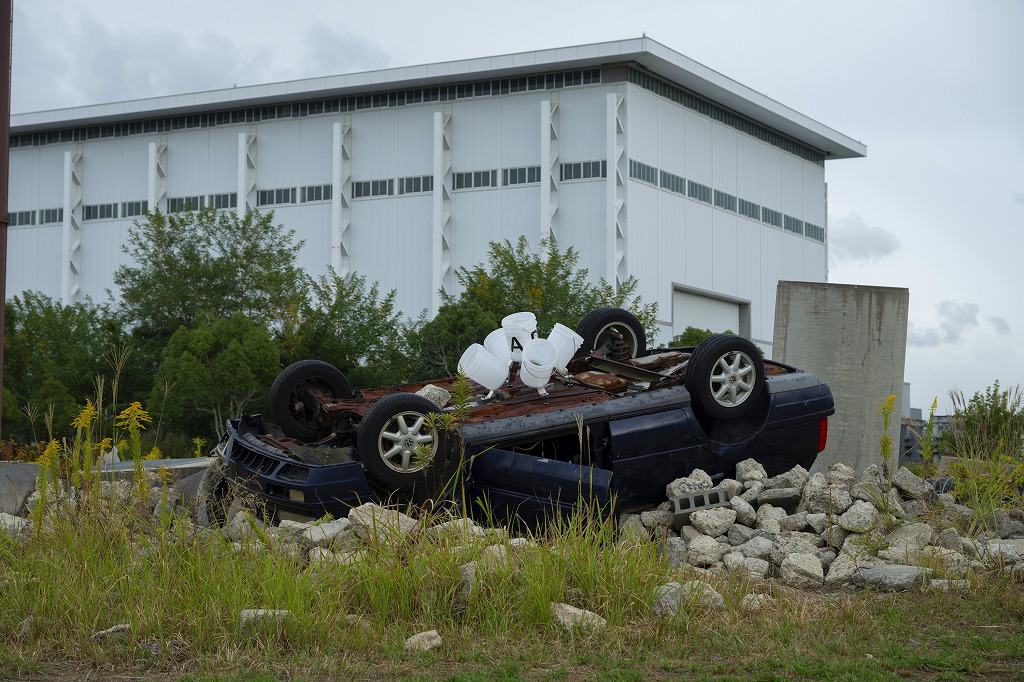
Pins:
<point x="614" y="428"/>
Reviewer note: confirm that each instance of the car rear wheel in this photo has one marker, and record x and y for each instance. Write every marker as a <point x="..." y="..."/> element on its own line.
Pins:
<point x="295" y="398"/>
<point x="725" y="376"/>
<point x="401" y="449"/>
<point x="616" y="330"/>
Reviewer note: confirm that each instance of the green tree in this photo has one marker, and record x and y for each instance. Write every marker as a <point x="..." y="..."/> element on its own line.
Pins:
<point x="354" y="328"/>
<point x="548" y="283"/>
<point x="52" y="354"/>
<point x="208" y="261"/>
<point x="692" y="336"/>
<point x="221" y="369"/>
<point x="990" y="421"/>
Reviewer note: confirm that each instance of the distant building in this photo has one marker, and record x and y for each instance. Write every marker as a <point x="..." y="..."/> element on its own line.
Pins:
<point x="644" y="161"/>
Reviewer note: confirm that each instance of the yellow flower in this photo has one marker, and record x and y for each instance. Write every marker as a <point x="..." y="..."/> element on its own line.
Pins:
<point x="154" y="453"/>
<point x="86" y="416"/>
<point x="49" y="454"/>
<point x="888" y="405"/>
<point x="133" y="415"/>
<point x="165" y="475"/>
<point x="105" y="444"/>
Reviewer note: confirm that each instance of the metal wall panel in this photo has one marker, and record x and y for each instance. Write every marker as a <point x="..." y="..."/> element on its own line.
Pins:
<point x="672" y="227"/>
<point x="24" y="189"/>
<point x="793" y="186"/>
<point x="643" y="126"/>
<point x="375" y="245"/>
<point x="101" y="255"/>
<point x="374" y="144"/>
<point x="748" y="168"/>
<point x="101" y="172"/>
<point x="699" y="245"/>
<point x="313" y="226"/>
<point x="315" y="139"/>
<point x="474" y="225"/>
<point x="725" y="245"/>
<point x="276" y="154"/>
<point x="725" y="176"/>
<point x="582" y="209"/>
<point x="519" y="133"/>
<point x="699" y="148"/>
<point x="187" y="162"/>
<point x="771" y="178"/>
<point x="222" y="156"/>
<point x="519" y="213"/>
<point x="134" y="170"/>
<point x="415" y="141"/>
<point x="476" y="142"/>
<point x="413" y="237"/>
<point x="749" y="264"/>
<point x="762" y="317"/>
<point x="36" y="263"/>
<point x="814" y="194"/>
<point x="581" y="123"/>
<point x="671" y="136"/>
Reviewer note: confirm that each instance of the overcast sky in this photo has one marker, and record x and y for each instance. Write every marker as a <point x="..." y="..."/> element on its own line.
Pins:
<point x="934" y="88"/>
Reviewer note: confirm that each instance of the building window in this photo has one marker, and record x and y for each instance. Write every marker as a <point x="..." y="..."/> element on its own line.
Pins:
<point x="643" y="172"/>
<point x="673" y="183"/>
<point x="416" y="184"/>
<point x="697" y="191"/>
<point x="791" y="224"/>
<point x="814" y="232"/>
<point x="373" y="188"/>
<point x="771" y="217"/>
<point x="51" y="215"/>
<point x="473" y="179"/>
<point x="19" y="218"/>
<point x="99" y="212"/>
<point x="749" y="209"/>
<point x="275" y="197"/>
<point x="130" y="209"/>
<point x="316" y="193"/>
<point x="584" y="170"/>
<point x="726" y="201"/>
<point x="225" y="200"/>
<point x="523" y="175"/>
<point x="179" y="204"/>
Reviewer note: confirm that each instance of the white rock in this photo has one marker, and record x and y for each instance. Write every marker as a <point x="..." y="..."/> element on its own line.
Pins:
<point x="695" y="482"/>
<point x="713" y="522"/>
<point x="860" y="517"/>
<point x="755" y="602"/>
<point x="116" y="633"/>
<point x="750" y="470"/>
<point x="326" y="534"/>
<point x="675" y="551"/>
<point x="423" y="641"/>
<point x="802" y="570"/>
<point x="745" y="513"/>
<point x="386" y="526"/>
<point x="570" y="617"/>
<point x="703" y="551"/>
<point x="250" y="618"/>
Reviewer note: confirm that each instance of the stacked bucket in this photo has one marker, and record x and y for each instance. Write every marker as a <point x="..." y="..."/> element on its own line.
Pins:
<point x="516" y="341"/>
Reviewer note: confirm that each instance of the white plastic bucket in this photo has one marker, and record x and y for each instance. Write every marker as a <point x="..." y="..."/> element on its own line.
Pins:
<point x="497" y="344"/>
<point x="539" y="357"/>
<point x="566" y="342"/>
<point x="520" y="329"/>
<point x="483" y="368"/>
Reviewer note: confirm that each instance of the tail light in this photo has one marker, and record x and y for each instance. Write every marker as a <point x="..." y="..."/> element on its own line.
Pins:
<point x="822" y="434"/>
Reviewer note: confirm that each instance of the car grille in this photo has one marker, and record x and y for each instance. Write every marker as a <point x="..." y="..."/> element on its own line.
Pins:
<point x="294" y="473"/>
<point x="251" y="459"/>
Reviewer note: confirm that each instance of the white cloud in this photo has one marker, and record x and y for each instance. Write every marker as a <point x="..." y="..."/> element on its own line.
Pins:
<point x="955" y="319"/>
<point x="1019" y="197"/>
<point x="999" y="325"/>
<point x="852" y="240"/>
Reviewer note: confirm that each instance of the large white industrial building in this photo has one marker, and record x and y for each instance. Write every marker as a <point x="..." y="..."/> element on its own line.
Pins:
<point x="644" y="161"/>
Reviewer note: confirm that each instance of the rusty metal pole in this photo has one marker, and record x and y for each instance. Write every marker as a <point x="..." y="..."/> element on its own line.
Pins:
<point x="7" y="13"/>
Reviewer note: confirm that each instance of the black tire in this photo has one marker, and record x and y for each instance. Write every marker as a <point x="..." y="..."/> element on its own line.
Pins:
<point x="725" y="376"/>
<point x="294" y="403"/>
<point x="615" y="328"/>
<point x="387" y="441"/>
<point x="213" y="496"/>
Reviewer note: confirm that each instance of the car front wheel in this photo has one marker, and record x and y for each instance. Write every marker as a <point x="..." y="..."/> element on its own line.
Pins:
<point x="295" y="398"/>
<point x="615" y="330"/>
<point x="402" y="449"/>
<point x="725" y="376"/>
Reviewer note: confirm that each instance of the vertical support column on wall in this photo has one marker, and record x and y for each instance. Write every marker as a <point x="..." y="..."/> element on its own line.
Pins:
<point x="442" y="273"/>
<point x="158" y="175"/>
<point x="616" y="268"/>
<point x="549" y="175"/>
<point x="341" y="206"/>
<point x="71" y="273"/>
<point x="246" y="173"/>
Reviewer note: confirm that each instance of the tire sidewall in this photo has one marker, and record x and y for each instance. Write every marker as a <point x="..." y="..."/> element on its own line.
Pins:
<point x="702" y="365"/>
<point x="597" y="321"/>
<point x="289" y="380"/>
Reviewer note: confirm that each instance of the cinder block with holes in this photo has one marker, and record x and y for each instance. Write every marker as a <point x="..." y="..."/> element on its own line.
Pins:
<point x="684" y="505"/>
